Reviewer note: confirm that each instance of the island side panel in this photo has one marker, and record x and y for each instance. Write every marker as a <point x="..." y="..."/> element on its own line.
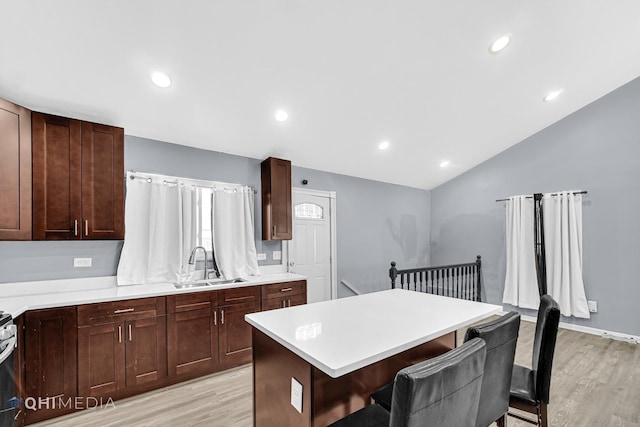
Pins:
<point x="273" y="368"/>
<point x="335" y="398"/>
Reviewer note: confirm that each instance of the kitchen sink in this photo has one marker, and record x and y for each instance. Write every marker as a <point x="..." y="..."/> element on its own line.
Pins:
<point x="205" y="283"/>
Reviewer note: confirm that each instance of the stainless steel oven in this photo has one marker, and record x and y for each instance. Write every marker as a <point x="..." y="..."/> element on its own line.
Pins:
<point x="8" y="400"/>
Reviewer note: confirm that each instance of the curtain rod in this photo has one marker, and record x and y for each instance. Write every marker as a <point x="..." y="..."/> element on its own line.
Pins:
<point x="173" y="180"/>
<point x="553" y="194"/>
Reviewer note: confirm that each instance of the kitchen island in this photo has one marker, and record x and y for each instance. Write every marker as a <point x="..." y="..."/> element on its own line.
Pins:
<point x="316" y="363"/>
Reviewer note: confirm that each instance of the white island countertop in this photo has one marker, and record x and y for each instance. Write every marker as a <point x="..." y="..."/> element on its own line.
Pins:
<point x="20" y="297"/>
<point x="343" y="335"/>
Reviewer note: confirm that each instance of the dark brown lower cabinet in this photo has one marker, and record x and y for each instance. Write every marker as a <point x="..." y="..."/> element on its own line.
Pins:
<point x="114" y="356"/>
<point x="235" y="333"/>
<point x="50" y="362"/>
<point x="192" y="341"/>
<point x="122" y="348"/>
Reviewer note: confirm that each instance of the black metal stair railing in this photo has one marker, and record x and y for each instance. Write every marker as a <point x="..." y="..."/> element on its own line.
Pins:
<point x="458" y="281"/>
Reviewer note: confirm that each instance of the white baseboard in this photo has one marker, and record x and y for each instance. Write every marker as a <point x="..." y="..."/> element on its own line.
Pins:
<point x="618" y="336"/>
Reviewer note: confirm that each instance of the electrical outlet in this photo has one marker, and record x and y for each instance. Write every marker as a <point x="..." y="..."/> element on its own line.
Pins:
<point x="82" y="262"/>
<point x="277" y="255"/>
<point x="593" y="306"/>
<point x="262" y="256"/>
<point x="296" y="395"/>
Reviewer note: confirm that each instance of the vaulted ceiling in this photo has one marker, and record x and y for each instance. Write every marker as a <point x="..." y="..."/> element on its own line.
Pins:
<point x="350" y="74"/>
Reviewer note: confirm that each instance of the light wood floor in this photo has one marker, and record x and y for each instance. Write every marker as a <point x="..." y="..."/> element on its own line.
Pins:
<point x="595" y="382"/>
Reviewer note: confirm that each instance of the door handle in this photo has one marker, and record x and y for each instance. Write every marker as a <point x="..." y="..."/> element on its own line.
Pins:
<point x="119" y="333"/>
<point x="222" y="316"/>
<point x="215" y="317"/>
<point x="75" y="227"/>
<point x="291" y="264"/>
<point x="129" y="331"/>
<point x="86" y="227"/>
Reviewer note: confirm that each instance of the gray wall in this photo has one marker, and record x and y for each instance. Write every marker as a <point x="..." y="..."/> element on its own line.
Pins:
<point x="376" y="222"/>
<point x="595" y="149"/>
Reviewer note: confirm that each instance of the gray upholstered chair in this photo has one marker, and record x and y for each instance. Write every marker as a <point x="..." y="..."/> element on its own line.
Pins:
<point x="501" y="336"/>
<point x="530" y="387"/>
<point x="443" y="391"/>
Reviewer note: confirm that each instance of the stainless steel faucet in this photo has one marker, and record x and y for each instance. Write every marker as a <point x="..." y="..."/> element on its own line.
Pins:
<point x="192" y="259"/>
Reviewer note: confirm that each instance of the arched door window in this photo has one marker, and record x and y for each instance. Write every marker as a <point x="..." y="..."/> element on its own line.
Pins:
<point x="308" y="211"/>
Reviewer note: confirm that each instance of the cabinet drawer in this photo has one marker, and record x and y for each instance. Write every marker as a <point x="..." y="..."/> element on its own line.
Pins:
<point x="277" y="290"/>
<point x="105" y="312"/>
<point x="239" y="295"/>
<point x="190" y="302"/>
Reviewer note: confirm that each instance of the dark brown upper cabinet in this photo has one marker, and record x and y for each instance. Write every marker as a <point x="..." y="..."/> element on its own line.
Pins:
<point x="78" y="179"/>
<point x="276" y="199"/>
<point x="15" y="172"/>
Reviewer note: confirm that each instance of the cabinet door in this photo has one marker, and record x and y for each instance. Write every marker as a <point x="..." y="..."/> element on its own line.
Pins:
<point x="192" y="341"/>
<point x="56" y="178"/>
<point x="15" y="172"/>
<point x="283" y="302"/>
<point x="276" y="199"/>
<point x="146" y="350"/>
<point x="274" y="303"/>
<point x="102" y="181"/>
<point x="51" y="364"/>
<point x="299" y="299"/>
<point x="235" y="333"/>
<point x="101" y="359"/>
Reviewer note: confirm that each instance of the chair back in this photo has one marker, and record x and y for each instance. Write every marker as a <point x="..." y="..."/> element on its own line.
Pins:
<point x="501" y="336"/>
<point x="443" y="391"/>
<point x="544" y="345"/>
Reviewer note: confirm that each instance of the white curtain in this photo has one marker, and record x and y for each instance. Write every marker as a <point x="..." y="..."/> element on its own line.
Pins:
<point x="563" y="245"/>
<point x="159" y="233"/>
<point x="233" y="232"/>
<point x="521" y="284"/>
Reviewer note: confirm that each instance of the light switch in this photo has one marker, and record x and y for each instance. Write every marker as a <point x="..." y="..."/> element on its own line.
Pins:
<point x="296" y="395"/>
<point x="277" y="255"/>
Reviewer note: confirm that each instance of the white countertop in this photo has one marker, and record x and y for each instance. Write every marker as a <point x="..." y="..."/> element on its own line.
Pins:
<point x="346" y="334"/>
<point x="20" y="297"/>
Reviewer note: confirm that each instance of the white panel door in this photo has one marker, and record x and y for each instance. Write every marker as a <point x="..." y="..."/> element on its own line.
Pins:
<point x="310" y="252"/>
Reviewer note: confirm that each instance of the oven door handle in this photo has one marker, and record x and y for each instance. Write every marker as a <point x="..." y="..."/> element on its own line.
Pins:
<point x="7" y="351"/>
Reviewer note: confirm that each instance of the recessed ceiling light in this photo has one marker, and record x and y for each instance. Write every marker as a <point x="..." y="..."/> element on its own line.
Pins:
<point x="160" y="79"/>
<point x="281" y="116"/>
<point x="444" y="163"/>
<point x="499" y="44"/>
<point x="552" y="95"/>
<point x="384" y="145"/>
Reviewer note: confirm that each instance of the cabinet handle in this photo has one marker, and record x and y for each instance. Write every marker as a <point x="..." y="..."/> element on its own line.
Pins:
<point x="282" y="304"/>
<point x="75" y="227"/>
<point x="215" y="317"/>
<point x="124" y="310"/>
<point x="222" y="316"/>
<point x="119" y="333"/>
<point x="86" y="227"/>
<point x="274" y="231"/>
<point x="129" y="331"/>
<point x="286" y="289"/>
<point x="289" y="302"/>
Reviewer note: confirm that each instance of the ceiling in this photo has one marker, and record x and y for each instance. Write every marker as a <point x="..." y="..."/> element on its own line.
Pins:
<point x="350" y="73"/>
